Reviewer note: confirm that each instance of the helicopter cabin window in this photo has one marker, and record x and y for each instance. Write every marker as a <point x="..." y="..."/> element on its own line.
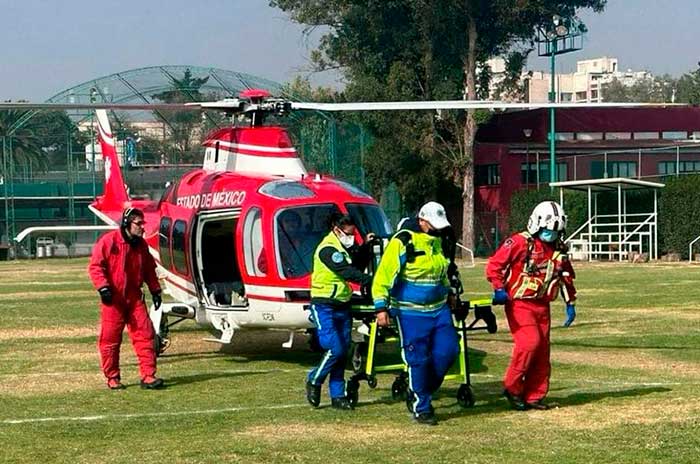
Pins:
<point x="286" y="189"/>
<point x="352" y="189"/>
<point x="219" y="267"/>
<point x="179" y="255"/>
<point x="369" y="218"/>
<point x="255" y="259"/>
<point x="164" y="242"/>
<point x="298" y="231"/>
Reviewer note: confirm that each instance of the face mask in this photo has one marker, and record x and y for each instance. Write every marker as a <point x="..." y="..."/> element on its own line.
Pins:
<point x="346" y="240"/>
<point x="548" y="236"/>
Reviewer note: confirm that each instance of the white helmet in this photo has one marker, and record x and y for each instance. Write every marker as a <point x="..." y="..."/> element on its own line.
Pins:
<point x="547" y="215"/>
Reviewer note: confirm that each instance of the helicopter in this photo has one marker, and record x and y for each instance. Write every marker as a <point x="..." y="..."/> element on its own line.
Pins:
<point x="234" y="240"/>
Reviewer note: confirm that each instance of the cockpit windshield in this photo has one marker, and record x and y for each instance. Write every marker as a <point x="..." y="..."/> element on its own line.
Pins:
<point x="369" y="218"/>
<point x="298" y="231"/>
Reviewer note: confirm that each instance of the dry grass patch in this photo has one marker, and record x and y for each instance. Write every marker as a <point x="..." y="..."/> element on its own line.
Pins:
<point x="336" y="433"/>
<point x="54" y="332"/>
<point x="23" y="386"/>
<point x="34" y="295"/>
<point x="635" y="410"/>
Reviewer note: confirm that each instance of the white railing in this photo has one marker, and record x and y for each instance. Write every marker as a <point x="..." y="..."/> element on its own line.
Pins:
<point x="604" y="237"/>
<point x="690" y="249"/>
<point x="468" y="250"/>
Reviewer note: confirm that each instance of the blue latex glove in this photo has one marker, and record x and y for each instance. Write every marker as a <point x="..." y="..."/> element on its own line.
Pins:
<point x="500" y="296"/>
<point x="570" y="314"/>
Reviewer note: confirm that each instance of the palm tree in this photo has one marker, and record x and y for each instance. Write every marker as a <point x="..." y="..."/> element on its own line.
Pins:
<point x="20" y="135"/>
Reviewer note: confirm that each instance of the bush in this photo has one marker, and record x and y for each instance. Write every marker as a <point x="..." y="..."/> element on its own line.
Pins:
<point x="523" y="202"/>
<point x="679" y="214"/>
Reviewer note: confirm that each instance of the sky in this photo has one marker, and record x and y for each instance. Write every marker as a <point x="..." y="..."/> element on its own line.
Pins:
<point x="47" y="46"/>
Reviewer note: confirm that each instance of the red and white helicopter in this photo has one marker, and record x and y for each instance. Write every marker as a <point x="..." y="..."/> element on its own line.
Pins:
<point x="234" y="240"/>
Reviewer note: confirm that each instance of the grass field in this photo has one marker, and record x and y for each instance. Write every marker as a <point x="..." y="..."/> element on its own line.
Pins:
<point x="626" y="376"/>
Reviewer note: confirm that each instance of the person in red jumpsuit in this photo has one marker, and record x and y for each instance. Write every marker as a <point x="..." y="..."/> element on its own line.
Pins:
<point x="527" y="272"/>
<point x="119" y="266"/>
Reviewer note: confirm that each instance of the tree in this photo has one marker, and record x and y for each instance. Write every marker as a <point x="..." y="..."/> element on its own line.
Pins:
<point x="688" y="88"/>
<point x="424" y="50"/>
<point x="186" y="126"/>
<point x="38" y="140"/>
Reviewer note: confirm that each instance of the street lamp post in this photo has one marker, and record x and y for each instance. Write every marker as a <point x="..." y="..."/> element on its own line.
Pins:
<point x="561" y="36"/>
<point x="527" y="133"/>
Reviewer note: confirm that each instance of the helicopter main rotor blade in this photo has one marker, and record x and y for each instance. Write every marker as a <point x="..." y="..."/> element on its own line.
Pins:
<point x="97" y="106"/>
<point x="459" y="105"/>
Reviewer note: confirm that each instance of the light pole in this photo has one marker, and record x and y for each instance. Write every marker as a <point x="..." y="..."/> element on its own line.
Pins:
<point x="527" y="133"/>
<point x="559" y="37"/>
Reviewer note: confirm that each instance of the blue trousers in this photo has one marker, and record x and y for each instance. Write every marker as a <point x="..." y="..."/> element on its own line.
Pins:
<point x="333" y="326"/>
<point x="429" y="346"/>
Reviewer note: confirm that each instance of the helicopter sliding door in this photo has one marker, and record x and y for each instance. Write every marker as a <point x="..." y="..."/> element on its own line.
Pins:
<point x="218" y="270"/>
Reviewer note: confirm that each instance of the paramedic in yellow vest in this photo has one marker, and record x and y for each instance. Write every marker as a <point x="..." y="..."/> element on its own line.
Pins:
<point x="411" y="282"/>
<point x="337" y="262"/>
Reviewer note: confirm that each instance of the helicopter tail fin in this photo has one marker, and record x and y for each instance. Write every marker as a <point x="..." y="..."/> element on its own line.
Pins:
<point x="110" y="205"/>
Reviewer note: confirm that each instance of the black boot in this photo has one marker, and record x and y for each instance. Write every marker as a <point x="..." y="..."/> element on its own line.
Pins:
<point x="342" y="403"/>
<point x="426" y="418"/>
<point x="313" y="394"/>
<point x="540" y="405"/>
<point x="152" y="383"/>
<point x="515" y="401"/>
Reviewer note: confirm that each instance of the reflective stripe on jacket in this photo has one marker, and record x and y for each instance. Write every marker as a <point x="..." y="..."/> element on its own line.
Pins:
<point x="412" y="274"/>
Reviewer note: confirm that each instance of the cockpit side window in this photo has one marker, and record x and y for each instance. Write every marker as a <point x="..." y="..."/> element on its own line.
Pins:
<point x="369" y="218"/>
<point x="253" y="248"/>
<point x="298" y="231"/>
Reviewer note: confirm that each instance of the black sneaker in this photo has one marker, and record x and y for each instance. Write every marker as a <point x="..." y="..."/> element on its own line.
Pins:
<point x="115" y="384"/>
<point x="342" y="403"/>
<point x="426" y="418"/>
<point x="539" y="405"/>
<point x="515" y="401"/>
<point x="313" y="394"/>
<point x="152" y="383"/>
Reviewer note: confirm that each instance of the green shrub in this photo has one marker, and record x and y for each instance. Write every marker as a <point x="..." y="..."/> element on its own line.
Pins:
<point x="679" y="214"/>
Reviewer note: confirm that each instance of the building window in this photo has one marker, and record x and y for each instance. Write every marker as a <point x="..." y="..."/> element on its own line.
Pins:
<point x="529" y="176"/>
<point x="614" y="169"/>
<point x="669" y="167"/>
<point x="674" y="135"/>
<point x="564" y="136"/>
<point x="589" y="136"/>
<point x="646" y="135"/>
<point x="566" y="97"/>
<point x="179" y="253"/>
<point x="581" y="96"/>
<point x="488" y="174"/>
<point x="594" y="94"/>
<point x="618" y="135"/>
<point x="253" y="249"/>
<point x="164" y="242"/>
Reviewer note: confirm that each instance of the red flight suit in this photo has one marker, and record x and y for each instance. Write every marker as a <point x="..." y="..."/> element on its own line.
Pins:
<point x="124" y="267"/>
<point x="533" y="273"/>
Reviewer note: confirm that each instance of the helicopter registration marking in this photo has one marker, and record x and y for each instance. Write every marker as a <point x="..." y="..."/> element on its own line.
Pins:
<point x="212" y="200"/>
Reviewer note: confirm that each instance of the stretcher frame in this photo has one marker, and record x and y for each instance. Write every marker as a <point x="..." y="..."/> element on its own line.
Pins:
<point x="367" y="370"/>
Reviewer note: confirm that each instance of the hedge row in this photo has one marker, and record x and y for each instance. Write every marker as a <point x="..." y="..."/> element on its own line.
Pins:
<point x="679" y="210"/>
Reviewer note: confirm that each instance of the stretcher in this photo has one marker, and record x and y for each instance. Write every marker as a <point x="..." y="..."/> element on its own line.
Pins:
<point x="364" y="359"/>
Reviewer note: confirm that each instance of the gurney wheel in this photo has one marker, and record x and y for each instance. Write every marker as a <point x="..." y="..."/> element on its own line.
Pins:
<point x="398" y="389"/>
<point x="372" y="381"/>
<point x="465" y="396"/>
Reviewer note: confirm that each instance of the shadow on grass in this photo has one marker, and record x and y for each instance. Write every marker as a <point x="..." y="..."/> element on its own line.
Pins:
<point x="195" y="378"/>
<point x="490" y="400"/>
<point x="628" y="346"/>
